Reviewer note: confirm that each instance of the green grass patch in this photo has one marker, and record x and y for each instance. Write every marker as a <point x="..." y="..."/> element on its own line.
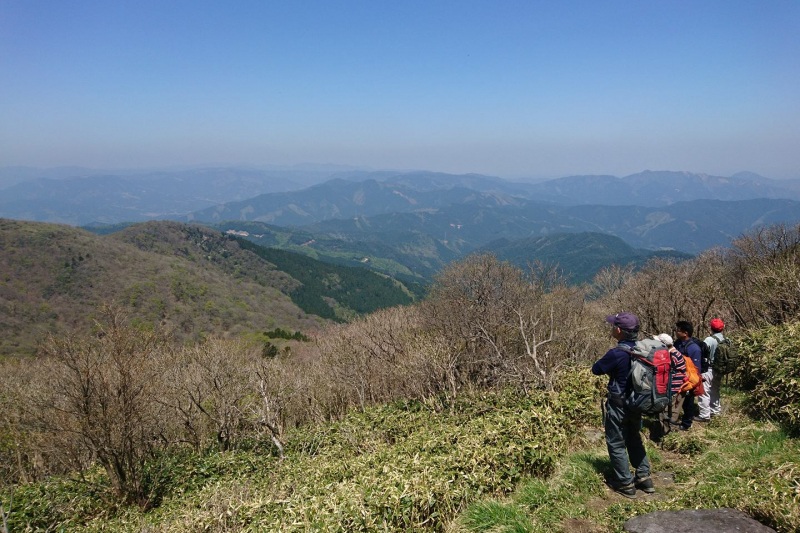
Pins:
<point x="735" y="462"/>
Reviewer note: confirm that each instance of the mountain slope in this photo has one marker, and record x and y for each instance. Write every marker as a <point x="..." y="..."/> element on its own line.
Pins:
<point x="53" y="278"/>
<point x="354" y="290"/>
<point x="321" y="289"/>
<point x="578" y="255"/>
<point x="192" y="280"/>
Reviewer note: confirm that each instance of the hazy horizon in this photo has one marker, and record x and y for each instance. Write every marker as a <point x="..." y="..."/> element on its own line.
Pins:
<point x="73" y="171"/>
<point x="516" y="89"/>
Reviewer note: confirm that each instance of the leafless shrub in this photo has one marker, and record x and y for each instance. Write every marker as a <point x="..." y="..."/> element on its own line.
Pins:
<point x="210" y="392"/>
<point x="277" y="388"/>
<point x="21" y="453"/>
<point x="363" y="358"/>
<point x="431" y="369"/>
<point x="382" y="357"/>
<point x="755" y="282"/>
<point x="550" y="330"/>
<point x="470" y="306"/>
<point x="608" y="283"/>
<point x="101" y="404"/>
<point x="665" y="291"/>
<point x="762" y="281"/>
<point x="504" y="325"/>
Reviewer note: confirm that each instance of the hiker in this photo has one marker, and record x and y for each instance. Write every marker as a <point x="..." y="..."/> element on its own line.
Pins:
<point x="709" y="402"/>
<point x="678" y="378"/>
<point x="622" y="427"/>
<point x="690" y="348"/>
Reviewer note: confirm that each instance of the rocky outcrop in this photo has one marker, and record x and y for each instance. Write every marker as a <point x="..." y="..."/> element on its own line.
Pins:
<point x="716" y="520"/>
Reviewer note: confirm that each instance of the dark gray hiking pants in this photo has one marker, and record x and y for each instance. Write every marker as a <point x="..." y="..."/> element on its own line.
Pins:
<point x="624" y="441"/>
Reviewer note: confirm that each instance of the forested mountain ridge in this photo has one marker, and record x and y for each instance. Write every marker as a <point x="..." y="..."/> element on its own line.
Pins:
<point x="338" y="198"/>
<point x="411" y="256"/>
<point x="689" y="227"/>
<point x="414" y="256"/>
<point x="578" y="256"/>
<point x="192" y="280"/>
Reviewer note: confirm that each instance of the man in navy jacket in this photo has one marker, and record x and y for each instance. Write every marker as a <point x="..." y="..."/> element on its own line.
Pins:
<point x="688" y="346"/>
<point x="622" y="427"/>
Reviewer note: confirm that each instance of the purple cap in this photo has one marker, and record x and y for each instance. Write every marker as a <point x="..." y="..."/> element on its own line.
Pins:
<point x="626" y="321"/>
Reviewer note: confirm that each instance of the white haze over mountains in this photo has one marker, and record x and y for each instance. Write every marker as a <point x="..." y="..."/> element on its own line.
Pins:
<point x="80" y="196"/>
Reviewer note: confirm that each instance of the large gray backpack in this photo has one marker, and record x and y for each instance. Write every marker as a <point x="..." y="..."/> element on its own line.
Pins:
<point x="649" y="389"/>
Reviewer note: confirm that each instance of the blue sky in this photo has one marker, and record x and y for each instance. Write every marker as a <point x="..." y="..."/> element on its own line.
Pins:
<point x="513" y="89"/>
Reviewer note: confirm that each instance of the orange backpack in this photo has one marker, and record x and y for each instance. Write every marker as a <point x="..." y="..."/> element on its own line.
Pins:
<point x="694" y="381"/>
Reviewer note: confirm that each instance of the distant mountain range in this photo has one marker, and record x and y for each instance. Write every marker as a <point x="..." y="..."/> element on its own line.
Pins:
<point x="383" y="193"/>
<point x="409" y="224"/>
<point x="339" y="199"/>
<point x="108" y="199"/>
<point x="654" y="189"/>
<point x="302" y="196"/>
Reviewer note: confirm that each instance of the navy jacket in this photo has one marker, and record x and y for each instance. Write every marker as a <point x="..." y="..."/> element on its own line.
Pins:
<point x="691" y="350"/>
<point x="616" y="363"/>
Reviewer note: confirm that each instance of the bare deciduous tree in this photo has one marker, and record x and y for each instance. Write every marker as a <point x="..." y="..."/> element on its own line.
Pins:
<point x="608" y="283"/>
<point x="665" y="291"/>
<point x="102" y="404"/>
<point x="210" y="390"/>
<point x="505" y="325"/>
<point x="762" y="285"/>
<point x="276" y="387"/>
<point x="471" y="306"/>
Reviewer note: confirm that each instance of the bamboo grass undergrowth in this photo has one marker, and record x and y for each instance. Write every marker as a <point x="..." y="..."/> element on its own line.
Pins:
<point x="488" y="462"/>
<point x="749" y="465"/>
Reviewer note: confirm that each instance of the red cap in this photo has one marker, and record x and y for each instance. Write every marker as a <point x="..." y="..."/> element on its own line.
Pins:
<point x="716" y="324"/>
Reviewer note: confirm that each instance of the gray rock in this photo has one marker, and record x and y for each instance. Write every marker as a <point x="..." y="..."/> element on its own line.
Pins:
<point x="716" y="520"/>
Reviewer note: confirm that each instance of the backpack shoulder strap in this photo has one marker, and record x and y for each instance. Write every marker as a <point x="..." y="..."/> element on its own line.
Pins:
<point x="625" y="348"/>
<point x="630" y="350"/>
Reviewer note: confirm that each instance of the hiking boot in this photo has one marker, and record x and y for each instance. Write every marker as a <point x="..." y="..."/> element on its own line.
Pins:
<point x="644" y="484"/>
<point x="701" y="419"/>
<point x="629" y="491"/>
